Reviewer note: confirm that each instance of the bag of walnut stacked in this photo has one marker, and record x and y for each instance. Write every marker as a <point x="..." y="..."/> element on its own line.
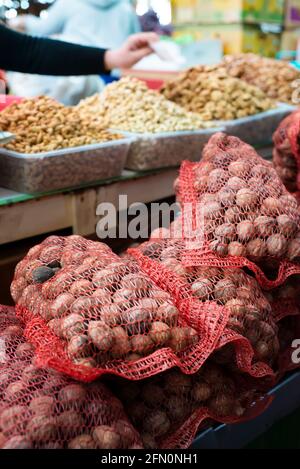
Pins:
<point x="286" y="153"/>
<point x="42" y="409"/>
<point x="237" y="212"/>
<point x="89" y="312"/>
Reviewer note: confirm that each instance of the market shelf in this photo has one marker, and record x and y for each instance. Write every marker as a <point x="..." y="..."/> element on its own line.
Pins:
<point x="286" y="401"/>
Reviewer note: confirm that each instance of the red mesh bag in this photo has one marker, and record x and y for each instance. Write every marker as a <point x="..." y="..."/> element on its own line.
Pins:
<point x="42" y="409"/>
<point x="226" y="298"/>
<point x="286" y="154"/>
<point x="169" y="409"/>
<point x="89" y="312"/>
<point x="237" y="212"/>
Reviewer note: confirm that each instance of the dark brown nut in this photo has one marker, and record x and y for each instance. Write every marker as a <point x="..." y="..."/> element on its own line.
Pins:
<point x="237" y="307"/>
<point x="24" y="351"/>
<point x="112" y="314"/>
<point x="226" y="231"/>
<point x="121" y="344"/>
<point x="79" y="347"/>
<point x="142" y="344"/>
<point x="126" y="296"/>
<point x="222" y="405"/>
<point x="13" y="332"/>
<point x="289" y="201"/>
<point x="61" y="305"/>
<point x="153" y="395"/>
<point x="126" y="432"/>
<point x="151" y="304"/>
<point x="160" y="333"/>
<point x="256" y="248"/>
<point x="135" y="281"/>
<point x="236" y="184"/>
<point x="246" y="198"/>
<point x="72" y="325"/>
<point x="52" y="383"/>
<point x="50" y="254"/>
<point x="236" y="249"/>
<point x="201" y="183"/>
<point x="72" y="395"/>
<point x="265" y="226"/>
<point x="178" y="383"/>
<point x="33" y="375"/>
<point x="203" y="288"/>
<point x="219" y="247"/>
<point x="15" y="390"/>
<point x="105" y="279"/>
<point x="102" y="297"/>
<point x="70" y="422"/>
<point x="272" y="207"/>
<point x="137" y="321"/>
<point x="107" y="437"/>
<point x="226" y="197"/>
<point x="133" y="357"/>
<point x="262" y="172"/>
<point x="217" y="179"/>
<point x="81" y="305"/>
<point x="245" y="230"/>
<point x="42" y="429"/>
<point x="100" y="335"/>
<point x="287" y="226"/>
<point x="211" y="210"/>
<point x="239" y="168"/>
<point x="294" y="250"/>
<point x="82" y="442"/>
<point x="81" y="288"/>
<point x="13" y="419"/>
<point x="17" y="442"/>
<point x="43" y="405"/>
<point x="168" y="313"/>
<point x="17" y="287"/>
<point x="71" y="257"/>
<point x="57" y="286"/>
<point x="157" y="423"/>
<point x="201" y="392"/>
<point x="225" y="290"/>
<point x="181" y="339"/>
<point x="276" y="245"/>
<point x="42" y="274"/>
<point x="232" y="215"/>
<point x="149" y="441"/>
<point x="263" y="350"/>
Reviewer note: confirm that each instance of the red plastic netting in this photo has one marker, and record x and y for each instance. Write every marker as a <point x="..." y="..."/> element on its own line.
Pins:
<point x="236" y="212"/>
<point x="286" y="154"/>
<point x="42" y="409"/>
<point x="89" y="313"/>
<point x="168" y="410"/>
<point x="245" y="329"/>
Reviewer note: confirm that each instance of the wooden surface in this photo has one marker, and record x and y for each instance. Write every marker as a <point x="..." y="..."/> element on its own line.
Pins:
<point x="24" y="216"/>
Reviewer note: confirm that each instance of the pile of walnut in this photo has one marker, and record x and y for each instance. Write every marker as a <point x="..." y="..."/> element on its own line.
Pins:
<point x="130" y="106"/>
<point x="274" y="77"/>
<point x="100" y="305"/>
<point x="43" y="125"/>
<point x="214" y="95"/>
<point x="246" y="209"/>
<point x="41" y="409"/>
<point x="250" y="311"/>
<point x="284" y="158"/>
<point x="159" y="406"/>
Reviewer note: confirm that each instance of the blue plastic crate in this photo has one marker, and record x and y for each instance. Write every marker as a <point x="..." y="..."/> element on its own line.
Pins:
<point x="286" y="401"/>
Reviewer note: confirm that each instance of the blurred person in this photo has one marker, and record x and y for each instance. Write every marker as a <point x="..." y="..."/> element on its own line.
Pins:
<point x="28" y="54"/>
<point x="99" y="23"/>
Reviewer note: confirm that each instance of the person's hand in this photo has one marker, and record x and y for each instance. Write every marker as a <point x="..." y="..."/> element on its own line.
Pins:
<point x="132" y="51"/>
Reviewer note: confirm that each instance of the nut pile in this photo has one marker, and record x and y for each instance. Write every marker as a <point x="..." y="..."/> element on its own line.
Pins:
<point x="159" y="406"/>
<point x="130" y="106"/>
<point x="41" y="409"/>
<point x="214" y="95"/>
<point x="101" y="306"/>
<point x="284" y="155"/>
<point x="43" y="125"/>
<point x="247" y="211"/>
<point x="274" y="77"/>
